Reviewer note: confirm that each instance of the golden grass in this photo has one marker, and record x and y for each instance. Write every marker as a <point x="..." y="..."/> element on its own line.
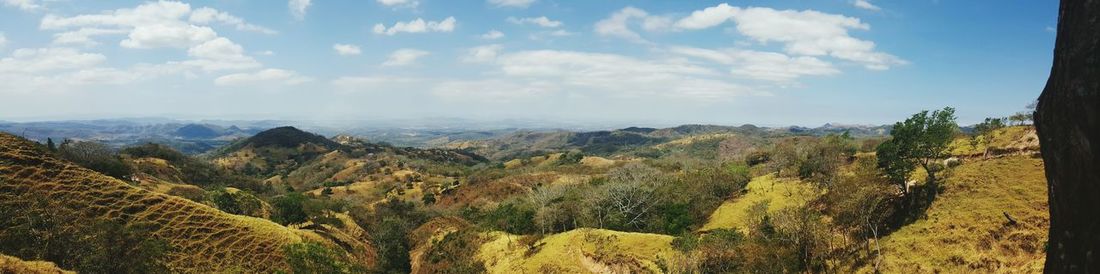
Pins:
<point x="779" y="193"/>
<point x="1004" y="140"/>
<point x="584" y="250"/>
<point x="597" y="162"/>
<point x="9" y="264"/>
<point x="965" y="229"/>
<point x="203" y="239"/>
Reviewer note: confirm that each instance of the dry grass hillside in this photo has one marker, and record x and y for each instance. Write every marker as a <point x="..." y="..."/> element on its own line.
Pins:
<point x="777" y="193"/>
<point x="1008" y="140"/>
<point x="14" y="265"/>
<point x="965" y="229"/>
<point x="583" y="250"/>
<point x="201" y="238"/>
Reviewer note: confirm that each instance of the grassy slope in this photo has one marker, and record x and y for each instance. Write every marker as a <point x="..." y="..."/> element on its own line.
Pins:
<point x="778" y="193"/>
<point x="965" y="230"/>
<point x="203" y="238"/>
<point x="1004" y="140"/>
<point x="9" y="264"/>
<point x="577" y="251"/>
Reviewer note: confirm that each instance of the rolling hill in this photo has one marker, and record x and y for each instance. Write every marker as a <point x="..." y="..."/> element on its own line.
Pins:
<point x="200" y="238"/>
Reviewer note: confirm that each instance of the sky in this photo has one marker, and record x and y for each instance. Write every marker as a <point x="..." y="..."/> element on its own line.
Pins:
<point x="644" y="62"/>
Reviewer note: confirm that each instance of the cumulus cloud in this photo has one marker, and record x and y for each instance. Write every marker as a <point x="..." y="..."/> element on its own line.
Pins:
<point x="207" y="15"/>
<point x="864" y="4"/>
<point x="404" y="57"/>
<point x="813" y="33"/>
<point x="760" y="65"/>
<point x="492" y="35"/>
<point x="511" y="3"/>
<point x="266" y="77"/>
<point x="708" y="17"/>
<point x="167" y="35"/>
<point x="220" y="54"/>
<point x="802" y="33"/>
<point x="298" y="8"/>
<point x="481" y="54"/>
<point x="25" y="5"/>
<point x="542" y="21"/>
<point x="163" y="24"/>
<point x="417" y="26"/>
<point x="399" y="3"/>
<point x="345" y="49"/>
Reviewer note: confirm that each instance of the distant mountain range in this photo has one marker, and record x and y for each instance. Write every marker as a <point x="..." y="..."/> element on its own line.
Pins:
<point x="202" y="136"/>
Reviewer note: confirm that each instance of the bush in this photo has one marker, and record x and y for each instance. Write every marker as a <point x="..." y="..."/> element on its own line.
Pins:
<point x="310" y="257"/>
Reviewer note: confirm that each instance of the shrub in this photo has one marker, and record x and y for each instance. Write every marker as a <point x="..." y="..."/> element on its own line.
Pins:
<point x="311" y="257"/>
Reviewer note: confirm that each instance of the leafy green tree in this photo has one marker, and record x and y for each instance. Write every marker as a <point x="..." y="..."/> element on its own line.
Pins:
<point x="310" y="257"/>
<point x="50" y="145"/>
<point x="917" y="141"/>
<point x="289" y="209"/>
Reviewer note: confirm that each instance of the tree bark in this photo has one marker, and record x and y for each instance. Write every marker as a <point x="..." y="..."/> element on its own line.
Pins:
<point x="1068" y="123"/>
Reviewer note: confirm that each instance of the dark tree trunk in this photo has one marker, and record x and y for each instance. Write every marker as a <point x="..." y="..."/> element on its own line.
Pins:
<point x="1068" y="121"/>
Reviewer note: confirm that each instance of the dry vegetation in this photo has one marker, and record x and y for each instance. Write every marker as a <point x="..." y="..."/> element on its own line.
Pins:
<point x="201" y="238"/>
<point x="9" y="264"/>
<point x="965" y="229"/>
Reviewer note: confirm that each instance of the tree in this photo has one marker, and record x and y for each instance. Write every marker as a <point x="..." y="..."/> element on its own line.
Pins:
<point x="919" y="140"/>
<point x="289" y="209"/>
<point x="1020" y="118"/>
<point x="50" y="145"/>
<point x="629" y="196"/>
<point x="95" y="156"/>
<point x="1066" y="120"/>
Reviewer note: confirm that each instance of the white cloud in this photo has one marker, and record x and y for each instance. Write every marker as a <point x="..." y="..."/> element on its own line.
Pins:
<point x="207" y="15"/>
<point x="616" y="24"/>
<point x="616" y="75"/>
<point x="25" y="5"/>
<point x="864" y="4"/>
<point x="417" y="26"/>
<point x="266" y="77"/>
<point x="83" y="36"/>
<point x="492" y="35"/>
<point x="541" y="21"/>
<point x="220" y="54"/>
<point x="813" y="33"/>
<point x="512" y="3"/>
<point x="404" y="57"/>
<point x="3" y="40"/>
<point x="167" y="35"/>
<point x="345" y="49"/>
<point x="708" y="17"/>
<point x="49" y="60"/>
<point x="162" y="24"/>
<point x="481" y="54"/>
<point x="399" y="3"/>
<point x="759" y="65"/>
<point x="298" y="8"/>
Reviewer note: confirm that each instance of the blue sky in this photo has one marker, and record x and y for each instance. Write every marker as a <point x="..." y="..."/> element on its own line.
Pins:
<point x="645" y="62"/>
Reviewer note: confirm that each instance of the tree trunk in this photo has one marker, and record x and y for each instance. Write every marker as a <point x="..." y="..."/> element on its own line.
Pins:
<point x="1068" y="123"/>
